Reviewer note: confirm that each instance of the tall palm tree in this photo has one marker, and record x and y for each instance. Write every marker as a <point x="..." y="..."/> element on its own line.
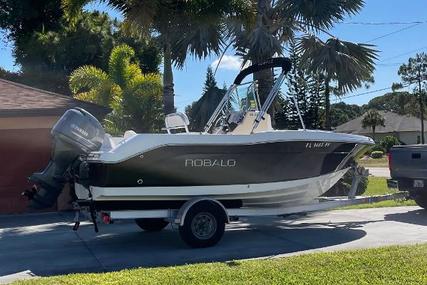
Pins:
<point x="345" y="63"/>
<point x="270" y="25"/>
<point x="180" y="27"/>
<point x="372" y="119"/>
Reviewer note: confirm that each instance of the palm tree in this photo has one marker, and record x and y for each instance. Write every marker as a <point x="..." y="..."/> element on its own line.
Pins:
<point x="345" y="63"/>
<point x="179" y="26"/>
<point x="271" y="24"/>
<point x="372" y="119"/>
<point x="135" y="98"/>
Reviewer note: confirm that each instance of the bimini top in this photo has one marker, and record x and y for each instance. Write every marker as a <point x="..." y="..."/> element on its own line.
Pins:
<point x="282" y="62"/>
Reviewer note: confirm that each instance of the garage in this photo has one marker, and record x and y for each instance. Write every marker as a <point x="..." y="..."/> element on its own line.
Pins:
<point x="26" y="116"/>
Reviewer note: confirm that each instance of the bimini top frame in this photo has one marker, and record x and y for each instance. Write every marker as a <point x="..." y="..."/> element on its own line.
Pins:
<point x="221" y="109"/>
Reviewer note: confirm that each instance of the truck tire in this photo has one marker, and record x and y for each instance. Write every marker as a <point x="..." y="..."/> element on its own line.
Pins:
<point x="421" y="200"/>
<point x="151" y="224"/>
<point x="204" y="224"/>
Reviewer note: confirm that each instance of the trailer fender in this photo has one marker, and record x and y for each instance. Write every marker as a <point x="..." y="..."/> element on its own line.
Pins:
<point x="180" y="217"/>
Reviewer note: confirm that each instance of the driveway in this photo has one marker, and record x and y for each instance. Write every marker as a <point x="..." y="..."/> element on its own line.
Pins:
<point x="379" y="171"/>
<point x="45" y="245"/>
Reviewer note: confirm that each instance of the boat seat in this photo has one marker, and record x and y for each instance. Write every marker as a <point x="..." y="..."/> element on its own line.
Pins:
<point x="246" y="125"/>
<point x="176" y="121"/>
<point x="129" y="134"/>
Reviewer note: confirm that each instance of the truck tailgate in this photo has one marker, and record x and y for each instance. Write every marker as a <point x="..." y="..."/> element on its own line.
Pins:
<point x="408" y="162"/>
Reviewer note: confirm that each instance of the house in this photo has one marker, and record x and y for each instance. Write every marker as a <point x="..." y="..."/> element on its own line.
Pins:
<point x="405" y="127"/>
<point x="26" y="116"/>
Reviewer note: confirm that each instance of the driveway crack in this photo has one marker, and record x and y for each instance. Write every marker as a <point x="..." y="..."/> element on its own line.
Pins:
<point x="91" y="252"/>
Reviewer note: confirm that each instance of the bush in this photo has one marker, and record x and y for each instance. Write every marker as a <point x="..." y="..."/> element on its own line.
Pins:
<point x="388" y="142"/>
<point x="342" y="187"/>
<point x="377" y="147"/>
<point x="377" y="154"/>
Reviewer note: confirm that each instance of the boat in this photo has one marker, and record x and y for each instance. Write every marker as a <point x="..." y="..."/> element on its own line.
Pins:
<point x="238" y="160"/>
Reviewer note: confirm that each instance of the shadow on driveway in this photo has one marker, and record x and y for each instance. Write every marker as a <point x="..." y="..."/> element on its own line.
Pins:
<point x="416" y="217"/>
<point x="53" y="248"/>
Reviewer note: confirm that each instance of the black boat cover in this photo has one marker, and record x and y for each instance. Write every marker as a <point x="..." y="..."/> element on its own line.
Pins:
<point x="282" y="62"/>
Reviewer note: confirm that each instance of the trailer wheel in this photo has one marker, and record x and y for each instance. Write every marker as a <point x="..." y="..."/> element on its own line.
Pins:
<point x="421" y="200"/>
<point x="204" y="224"/>
<point x="151" y="224"/>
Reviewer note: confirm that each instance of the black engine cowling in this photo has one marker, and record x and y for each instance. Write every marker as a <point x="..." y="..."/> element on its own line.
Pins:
<point x="75" y="134"/>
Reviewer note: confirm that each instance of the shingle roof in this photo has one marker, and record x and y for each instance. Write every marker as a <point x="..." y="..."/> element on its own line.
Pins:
<point x="22" y="100"/>
<point x="393" y="123"/>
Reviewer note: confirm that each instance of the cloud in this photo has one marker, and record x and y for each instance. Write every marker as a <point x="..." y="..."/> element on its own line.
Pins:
<point x="230" y="62"/>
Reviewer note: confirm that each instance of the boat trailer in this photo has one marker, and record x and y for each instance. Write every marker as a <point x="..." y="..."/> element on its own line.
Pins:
<point x="196" y="217"/>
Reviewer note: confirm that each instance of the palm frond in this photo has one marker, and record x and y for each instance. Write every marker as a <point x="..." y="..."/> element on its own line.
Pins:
<point x="318" y="14"/>
<point x="198" y="38"/>
<point x="119" y="64"/>
<point x="85" y="78"/>
<point x="347" y="63"/>
<point x="72" y="8"/>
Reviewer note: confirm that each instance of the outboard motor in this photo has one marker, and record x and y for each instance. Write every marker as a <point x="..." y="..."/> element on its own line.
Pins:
<point x="75" y="134"/>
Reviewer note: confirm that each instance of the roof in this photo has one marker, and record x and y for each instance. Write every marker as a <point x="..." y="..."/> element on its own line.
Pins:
<point x="393" y="123"/>
<point x="18" y="100"/>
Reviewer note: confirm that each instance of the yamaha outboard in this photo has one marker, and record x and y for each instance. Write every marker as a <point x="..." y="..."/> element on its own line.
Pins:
<point x="75" y="134"/>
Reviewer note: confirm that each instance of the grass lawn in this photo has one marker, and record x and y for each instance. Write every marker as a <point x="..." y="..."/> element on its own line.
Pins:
<point x="378" y="186"/>
<point x="374" y="162"/>
<point x="387" y="265"/>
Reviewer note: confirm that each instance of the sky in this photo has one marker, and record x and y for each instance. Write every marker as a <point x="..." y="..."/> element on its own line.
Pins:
<point x="398" y="30"/>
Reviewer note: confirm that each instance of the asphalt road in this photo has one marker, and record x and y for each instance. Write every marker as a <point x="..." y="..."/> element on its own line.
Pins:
<point x="45" y="245"/>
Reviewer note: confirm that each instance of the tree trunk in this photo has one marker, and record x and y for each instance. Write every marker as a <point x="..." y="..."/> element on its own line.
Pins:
<point x="421" y="103"/>
<point x="327" y="105"/>
<point x="265" y="80"/>
<point x="265" y="77"/>
<point x="373" y="133"/>
<point x="168" y="92"/>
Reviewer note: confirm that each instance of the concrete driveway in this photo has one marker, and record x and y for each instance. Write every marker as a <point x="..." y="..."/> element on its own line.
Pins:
<point x="45" y="244"/>
<point x="379" y="171"/>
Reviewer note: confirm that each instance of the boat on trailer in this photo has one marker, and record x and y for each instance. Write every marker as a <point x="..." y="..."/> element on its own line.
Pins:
<point x="238" y="166"/>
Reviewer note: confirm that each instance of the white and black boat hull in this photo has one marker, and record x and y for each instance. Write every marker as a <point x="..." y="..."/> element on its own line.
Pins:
<point x="273" y="194"/>
<point x="270" y="169"/>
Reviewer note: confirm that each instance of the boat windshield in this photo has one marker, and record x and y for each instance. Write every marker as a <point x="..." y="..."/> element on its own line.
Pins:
<point x="244" y="98"/>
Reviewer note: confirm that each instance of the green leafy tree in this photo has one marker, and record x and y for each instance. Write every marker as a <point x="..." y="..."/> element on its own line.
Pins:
<point x="134" y="97"/>
<point x="342" y="113"/>
<point x="22" y="18"/>
<point x="398" y="102"/>
<point x="313" y="117"/>
<point x="48" y="53"/>
<point x="414" y="72"/>
<point x="47" y="48"/>
<point x="200" y="111"/>
<point x="297" y="90"/>
<point x="388" y="142"/>
<point x="181" y="28"/>
<point x="372" y="119"/>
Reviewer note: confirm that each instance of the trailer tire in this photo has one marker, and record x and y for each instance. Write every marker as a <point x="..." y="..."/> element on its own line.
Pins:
<point x="151" y="224"/>
<point x="204" y="224"/>
<point x="421" y="200"/>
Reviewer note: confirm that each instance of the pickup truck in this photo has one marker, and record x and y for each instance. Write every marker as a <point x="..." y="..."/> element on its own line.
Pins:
<point x="408" y="171"/>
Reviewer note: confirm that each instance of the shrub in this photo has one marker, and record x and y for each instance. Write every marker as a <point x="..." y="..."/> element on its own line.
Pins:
<point x="377" y="154"/>
<point x="387" y="142"/>
<point x="377" y="147"/>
